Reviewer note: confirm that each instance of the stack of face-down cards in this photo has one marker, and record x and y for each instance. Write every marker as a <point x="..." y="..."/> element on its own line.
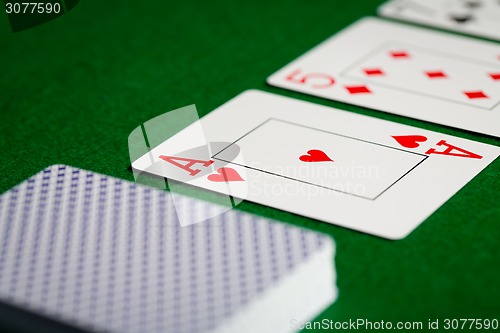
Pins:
<point x="106" y="255"/>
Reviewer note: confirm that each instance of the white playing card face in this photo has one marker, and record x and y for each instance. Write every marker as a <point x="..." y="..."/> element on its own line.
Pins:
<point x="367" y="174"/>
<point x="156" y="130"/>
<point x="475" y="17"/>
<point x="345" y="172"/>
<point x="396" y="68"/>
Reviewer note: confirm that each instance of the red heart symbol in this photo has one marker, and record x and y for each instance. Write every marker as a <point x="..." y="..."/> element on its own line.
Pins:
<point x="225" y="175"/>
<point x="410" y="141"/>
<point x="315" y="155"/>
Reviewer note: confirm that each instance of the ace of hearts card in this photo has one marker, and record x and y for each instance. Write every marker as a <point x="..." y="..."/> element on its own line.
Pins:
<point x="367" y="174"/>
<point x="396" y="68"/>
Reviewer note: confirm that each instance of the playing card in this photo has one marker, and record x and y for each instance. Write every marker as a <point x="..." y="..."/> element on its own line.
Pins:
<point x="396" y="68"/>
<point x="107" y="255"/>
<point x="264" y="151"/>
<point x="367" y="174"/>
<point x="194" y="167"/>
<point x="475" y="17"/>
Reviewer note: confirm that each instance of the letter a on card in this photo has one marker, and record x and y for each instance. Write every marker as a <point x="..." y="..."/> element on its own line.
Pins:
<point x="449" y="151"/>
<point x="188" y="163"/>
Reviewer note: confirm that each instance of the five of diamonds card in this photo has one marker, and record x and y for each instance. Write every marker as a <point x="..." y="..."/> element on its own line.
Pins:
<point x="363" y="173"/>
<point x="410" y="71"/>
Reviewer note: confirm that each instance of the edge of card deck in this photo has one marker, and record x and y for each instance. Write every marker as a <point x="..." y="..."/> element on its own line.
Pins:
<point x="105" y="254"/>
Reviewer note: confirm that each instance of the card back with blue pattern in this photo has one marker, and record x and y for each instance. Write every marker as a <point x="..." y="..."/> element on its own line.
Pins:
<point x="104" y="254"/>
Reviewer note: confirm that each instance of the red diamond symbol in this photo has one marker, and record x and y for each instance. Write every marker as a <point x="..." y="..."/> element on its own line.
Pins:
<point x="399" y="54"/>
<point x="475" y="94"/>
<point x="358" y="89"/>
<point x="373" y="71"/>
<point x="495" y="76"/>
<point x="435" y="74"/>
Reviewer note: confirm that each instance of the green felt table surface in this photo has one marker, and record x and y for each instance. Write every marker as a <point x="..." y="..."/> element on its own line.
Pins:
<point x="73" y="89"/>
